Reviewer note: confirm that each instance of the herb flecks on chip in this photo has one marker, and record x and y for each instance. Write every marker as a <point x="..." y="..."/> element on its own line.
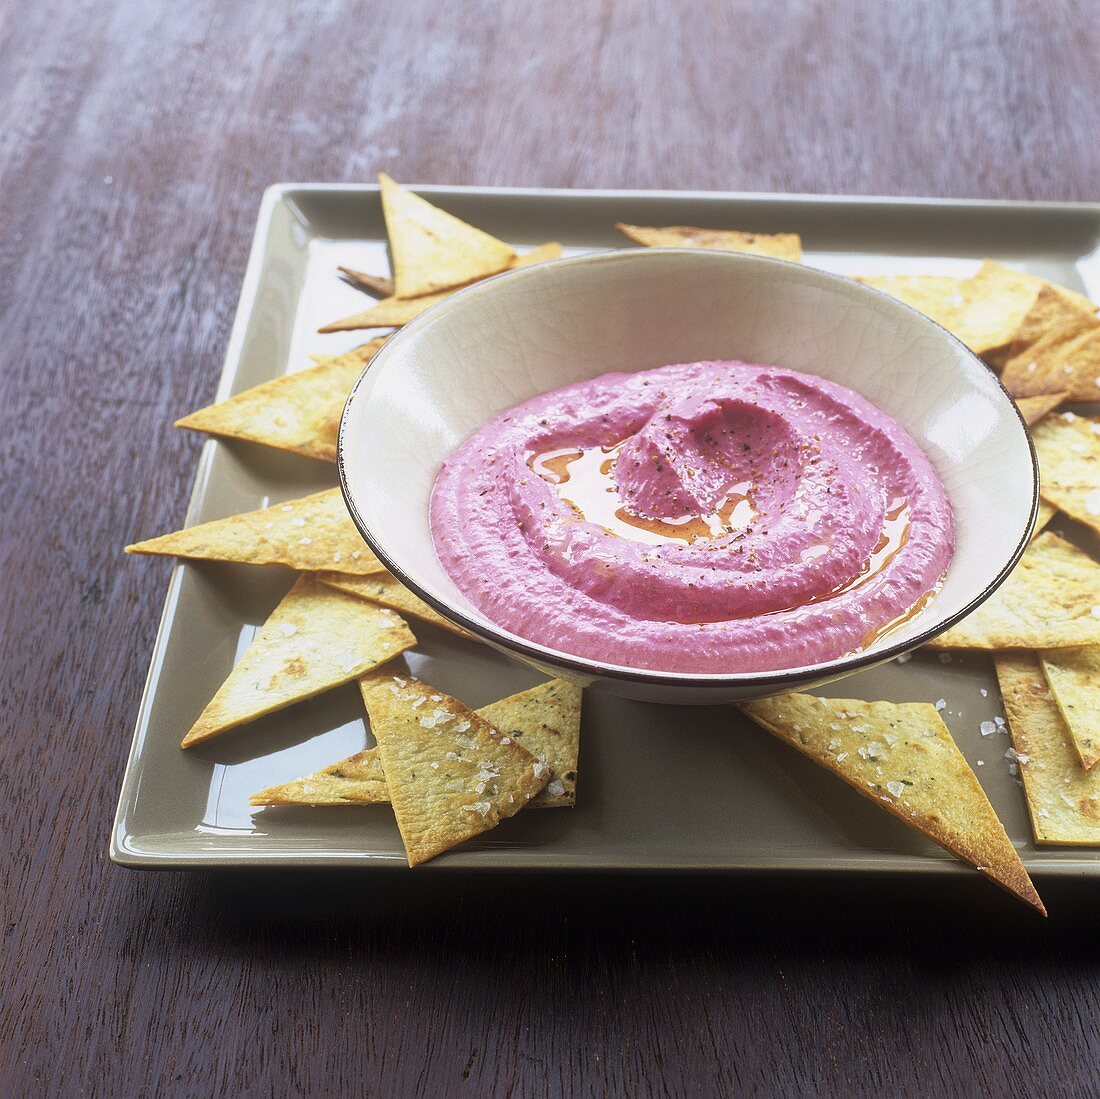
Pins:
<point x="545" y="720"/>
<point x="311" y="533"/>
<point x="433" y="250"/>
<point x="315" y="639"/>
<point x="1051" y="600"/>
<point x="902" y="757"/>
<point x="298" y="412"/>
<point x="450" y="774"/>
<point x="781" y="245"/>
<point x="1063" y="799"/>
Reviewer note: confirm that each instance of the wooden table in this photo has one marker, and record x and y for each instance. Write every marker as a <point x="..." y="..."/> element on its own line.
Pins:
<point x="135" y="140"/>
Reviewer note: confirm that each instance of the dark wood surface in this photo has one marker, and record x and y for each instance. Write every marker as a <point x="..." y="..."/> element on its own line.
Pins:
<point x="135" y="139"/>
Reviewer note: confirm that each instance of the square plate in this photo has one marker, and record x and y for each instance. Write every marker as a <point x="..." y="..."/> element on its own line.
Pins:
<point x="659" y="787"/>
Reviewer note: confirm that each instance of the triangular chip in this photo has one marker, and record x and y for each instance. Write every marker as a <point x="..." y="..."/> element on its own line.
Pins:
<point x="1051" y="601"/>
<point x="1063" y="800"/>
<point x="1074" y="679"/>
<point x="357" y="780"/>
<point x="546" y="720"/>
<point x="1045" y="513"/>
<point x="381" y="286"/>
<point x="310" y="533"/>
<point x="902" y="757"/>
<point x="780" y="245"/>
<point x="432" y="250"/>
<point x="393" y="312"/>
<point x="939" y="297"/>
<point x="987" y="312"/>
<point x="1067" y="359"/>
<point x="999" y="300"/>
<point x="315" y="639"/>
<point x="1033" y="409"/>
<point x="1053" y="307"/>
<point x="451" y="775"/>
<point x="297" y="412"/>
<point x="388" y="591"/>
<point x="1068" y="447"/>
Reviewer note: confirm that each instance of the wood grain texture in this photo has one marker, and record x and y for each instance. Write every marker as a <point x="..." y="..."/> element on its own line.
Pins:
<point x="135" y="139"/>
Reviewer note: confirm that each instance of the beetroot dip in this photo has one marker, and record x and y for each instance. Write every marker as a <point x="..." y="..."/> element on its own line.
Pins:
<point x="702" y="517"/>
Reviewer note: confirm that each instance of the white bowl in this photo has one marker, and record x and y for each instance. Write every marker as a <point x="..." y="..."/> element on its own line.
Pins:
<point x="502" y="341"/>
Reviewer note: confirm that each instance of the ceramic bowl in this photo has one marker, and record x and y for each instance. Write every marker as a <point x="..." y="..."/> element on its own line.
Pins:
<point x="491" y="346"/>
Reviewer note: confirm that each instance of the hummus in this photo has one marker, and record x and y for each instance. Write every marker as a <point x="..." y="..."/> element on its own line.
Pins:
<point x="702" y="517"/>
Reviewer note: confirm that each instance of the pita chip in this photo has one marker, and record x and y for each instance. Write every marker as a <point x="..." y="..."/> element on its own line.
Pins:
<point x="1054" y="306"/>
<point x="1068" y="447"/>
<point x="432" y="250"/>
<point x="1049" y="601"/>
<point x="1044" y="515"/>
<point x="357" y="780"/>
<point x="310" y="533"/>
<point x="381" y="286"/>
<point x="393" y="312"/>
<point x="780" y="245"/>
<point x="1033" y="409"/>
<point x="451" y="775"/>
<point x="298" y="412"/>
<point x="387" y="591"/>
<point x="546" y="720"/>
<point x="1063" y="800"/>
<point x="1066" y="360"/>
<point x="314" y="640"/>
<point x="1073" y="676"/>
<point x="902" y="757"/>
<point x="939" y="297"/>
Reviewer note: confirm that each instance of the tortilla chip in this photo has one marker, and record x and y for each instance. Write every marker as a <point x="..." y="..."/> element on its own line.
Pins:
<point x="1053" y="307"/>
<point x="394" y="312"/>
<point x="451" y="775"/>
<point x="297" y="412"/>
<point x="315" y="639"/>
<point x="357" y="780"/>
<point x="387" y="591"/>
<point x="902" y="757"/>
<point x="1067" y="359"/>
<point x="780" y="245"/>
<point x="1049" y="602"/>
<point x="1062" y="799"/>
<point x="310" y="533"/>
<point x="432" y="250"/>
<point x="546" y="720"/>
<point x="1033" y="409"/>
<point x="1068" y="448"/>
<point x="1073" y="676"/>
<point x="381" y="286"/>
<point x="1045" y="514"/>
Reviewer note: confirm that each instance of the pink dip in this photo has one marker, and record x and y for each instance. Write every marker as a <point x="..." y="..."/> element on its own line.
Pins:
<point x="704" y="517"/>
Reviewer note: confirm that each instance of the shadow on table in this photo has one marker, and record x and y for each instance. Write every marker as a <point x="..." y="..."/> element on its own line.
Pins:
<point x="938" y="923"/>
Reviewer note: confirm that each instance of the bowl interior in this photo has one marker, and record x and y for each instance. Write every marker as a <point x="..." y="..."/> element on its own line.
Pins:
<point x="510" y="338"/>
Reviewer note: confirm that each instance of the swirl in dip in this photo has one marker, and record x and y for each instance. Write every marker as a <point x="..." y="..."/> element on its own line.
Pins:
<point x="702" y="517"/>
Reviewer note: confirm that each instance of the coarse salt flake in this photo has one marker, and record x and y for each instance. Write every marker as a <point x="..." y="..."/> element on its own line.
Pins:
<point x="896" y="788"/>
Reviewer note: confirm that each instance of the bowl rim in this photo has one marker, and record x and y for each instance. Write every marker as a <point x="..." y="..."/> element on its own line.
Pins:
<point x="531" y="650"/>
